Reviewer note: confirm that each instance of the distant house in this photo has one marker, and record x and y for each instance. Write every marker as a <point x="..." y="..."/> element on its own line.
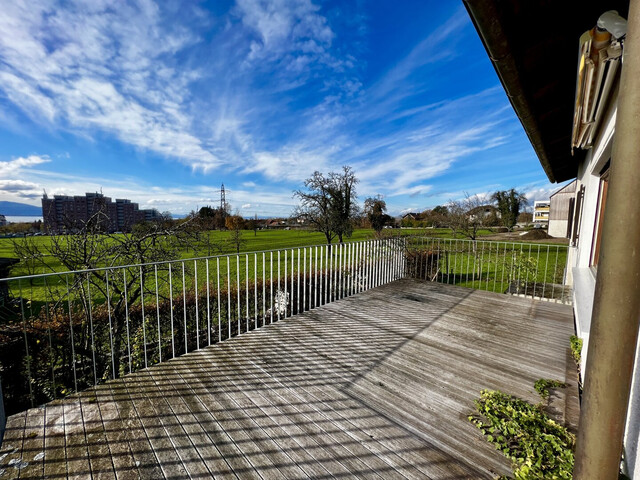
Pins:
<point x="276" y="223"/>
<point x="410" y="216"/>
<point x="541" y="212"/>
<point x="483" y="211"/>
<point x="561" y="208"/>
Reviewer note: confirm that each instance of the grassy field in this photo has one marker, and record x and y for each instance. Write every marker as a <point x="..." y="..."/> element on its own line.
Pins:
<point x="249" y="267"/>
<point x="534" y="269"/>
<point x="182" y="307"/>
<point x="252" y="242"/>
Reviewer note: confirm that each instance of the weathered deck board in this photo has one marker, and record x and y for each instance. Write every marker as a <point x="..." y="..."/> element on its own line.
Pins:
<point x="378" y="385"/>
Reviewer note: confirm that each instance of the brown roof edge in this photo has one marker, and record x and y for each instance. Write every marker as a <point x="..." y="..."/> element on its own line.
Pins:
<point x="486" y="18"/>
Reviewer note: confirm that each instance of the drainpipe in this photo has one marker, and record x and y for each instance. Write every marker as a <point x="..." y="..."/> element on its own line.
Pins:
<point x="616" y="307"/>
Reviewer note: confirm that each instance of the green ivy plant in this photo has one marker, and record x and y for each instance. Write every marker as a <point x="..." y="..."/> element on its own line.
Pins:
<point x="576" y="348"/>
<point x="543" y="385"/>
<point x="539" y="447"/>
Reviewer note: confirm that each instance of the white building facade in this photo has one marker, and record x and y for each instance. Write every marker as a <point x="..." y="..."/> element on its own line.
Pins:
<point x="568" y="109"/>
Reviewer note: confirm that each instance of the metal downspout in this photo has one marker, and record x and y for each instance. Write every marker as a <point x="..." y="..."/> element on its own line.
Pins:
<point x="616" y="308"/>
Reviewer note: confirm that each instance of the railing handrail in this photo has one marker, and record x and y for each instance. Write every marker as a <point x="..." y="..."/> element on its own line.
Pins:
<point x="97" y="344"/>
<point x="514" y="242"/>
<point x="192" y="259"/>
<point x="142" y="321"/>
<point x="224" y="255"/>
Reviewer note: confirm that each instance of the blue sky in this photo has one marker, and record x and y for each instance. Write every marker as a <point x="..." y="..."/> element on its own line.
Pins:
<point x="162" y="102"/>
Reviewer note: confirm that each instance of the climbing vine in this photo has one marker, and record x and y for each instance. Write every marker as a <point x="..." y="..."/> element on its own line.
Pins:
<point x="539" y="447"/>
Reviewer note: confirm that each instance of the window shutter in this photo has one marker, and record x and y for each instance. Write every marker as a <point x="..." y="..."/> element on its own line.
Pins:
<point x="572" y="205"/>
<point x="577" y="217"/>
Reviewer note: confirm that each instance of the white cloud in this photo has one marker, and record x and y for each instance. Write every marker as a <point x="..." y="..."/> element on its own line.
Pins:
<point x="15" y="166"/>
<point x="20" y="188"/>
<point x="99" y="67"/>
<point x="290" y="164"/>
<point x="535" y="193"/>
<point x="284" y="26"/>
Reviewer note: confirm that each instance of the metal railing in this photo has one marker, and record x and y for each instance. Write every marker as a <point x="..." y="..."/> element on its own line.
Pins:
<point x="65" y="332"/>
<point x="523" y="269"/>
<point x="3" y="416"/>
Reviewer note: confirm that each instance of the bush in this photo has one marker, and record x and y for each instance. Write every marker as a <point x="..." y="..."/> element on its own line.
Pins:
<point x="422" y="263"/>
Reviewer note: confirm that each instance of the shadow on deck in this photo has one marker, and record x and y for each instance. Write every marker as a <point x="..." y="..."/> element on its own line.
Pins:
<point x="378" y="385"/>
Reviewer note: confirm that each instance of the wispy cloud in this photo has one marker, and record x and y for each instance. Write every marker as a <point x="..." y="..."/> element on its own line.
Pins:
<point x="285" y="27"/>
<point x="14" y="167"/>
<point x="257" y="94"/>
<point x="93" y="67"/>
<point x="435" y="47"/>
<point x="20" y="188"/>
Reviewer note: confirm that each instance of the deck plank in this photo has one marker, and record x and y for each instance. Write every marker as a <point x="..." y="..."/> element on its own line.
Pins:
<point x="377" y="385"/>
<point x="276" y="410"/>
<point x="144" y="398"/>
<point x="11" y="451"/>
<point x="254" y="400"/>
<point x="203" y="444"/>
<point x="202" y="402"/>
<point x="144" y="457"/>
<point x="263" y="452"/>
<point x="33" y="446"/>
<point x="441" y="464"/>
<point x="78" y="465"/>
<point x="55" y="460"/>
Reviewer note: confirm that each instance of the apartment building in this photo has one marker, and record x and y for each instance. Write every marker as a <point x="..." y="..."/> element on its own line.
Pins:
<point x="64" y="213"/>
<point x="541" y="212"/>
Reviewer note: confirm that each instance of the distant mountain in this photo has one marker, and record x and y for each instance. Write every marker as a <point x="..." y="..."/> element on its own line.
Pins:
<point x="15" y="209"/>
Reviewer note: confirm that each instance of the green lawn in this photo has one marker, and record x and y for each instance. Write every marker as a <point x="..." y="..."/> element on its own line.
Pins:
<point x="266" y="241"/>
<point x="186" y="310"/>
<point x="525" y="268"/>
<point x="249" y="266"/>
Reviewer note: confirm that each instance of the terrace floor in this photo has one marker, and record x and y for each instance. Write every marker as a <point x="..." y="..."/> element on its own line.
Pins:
<point x="378" y="385"/>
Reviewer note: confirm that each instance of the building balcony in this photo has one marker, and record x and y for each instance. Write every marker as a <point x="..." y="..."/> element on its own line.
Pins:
<point x="376" y="383"/>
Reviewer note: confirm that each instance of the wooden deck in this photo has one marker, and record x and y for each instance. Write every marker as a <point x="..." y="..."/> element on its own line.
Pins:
<point x="378" y="385"/>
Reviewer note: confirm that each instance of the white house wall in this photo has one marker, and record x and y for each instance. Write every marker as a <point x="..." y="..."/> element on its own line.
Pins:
<point x="583" y="277"/>
<point x="557" y="228"/>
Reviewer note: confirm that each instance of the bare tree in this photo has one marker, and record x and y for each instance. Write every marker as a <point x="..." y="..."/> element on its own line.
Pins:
<point x="89" y="249"/>
<point x="329" y="203"/>
<point x="343" y="201"/>
<point x="467" y="216"/>
<point x="315" y="204"/>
